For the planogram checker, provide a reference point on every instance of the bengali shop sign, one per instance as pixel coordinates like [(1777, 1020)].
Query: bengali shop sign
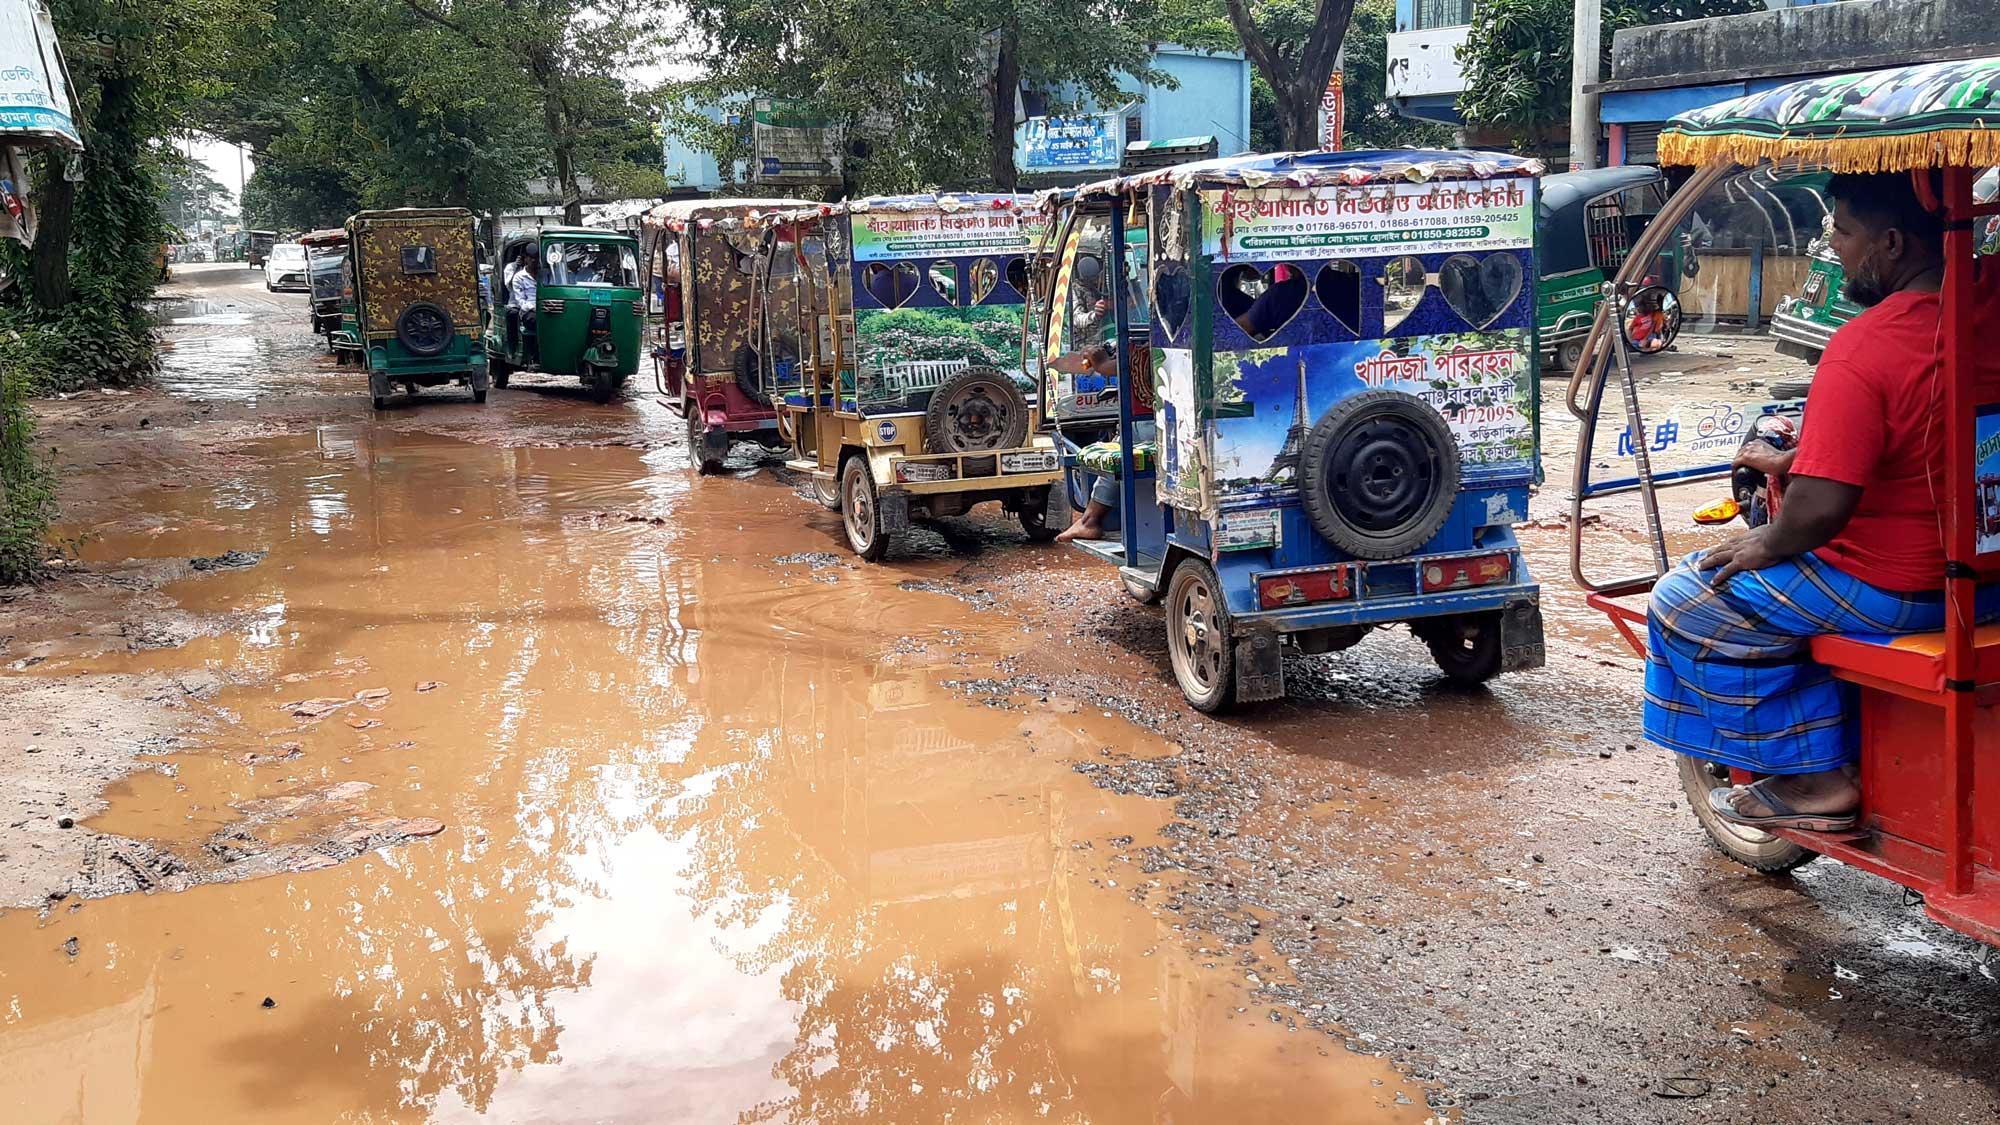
[(1360, 221)]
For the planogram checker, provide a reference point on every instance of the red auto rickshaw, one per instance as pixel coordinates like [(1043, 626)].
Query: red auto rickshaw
[(699, 257), (1929, 704)]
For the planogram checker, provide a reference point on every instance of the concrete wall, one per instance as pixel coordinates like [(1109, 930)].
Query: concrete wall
[(1800, 41)]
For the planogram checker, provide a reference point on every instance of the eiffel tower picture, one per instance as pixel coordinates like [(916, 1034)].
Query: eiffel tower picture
[(1285, 466)]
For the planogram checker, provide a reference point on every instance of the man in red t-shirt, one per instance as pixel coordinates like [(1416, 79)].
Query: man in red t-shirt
[(1856, 547)]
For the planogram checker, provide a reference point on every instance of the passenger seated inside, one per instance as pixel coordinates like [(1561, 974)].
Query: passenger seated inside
[(1855, 548), (1270, 309), (1101, 359)]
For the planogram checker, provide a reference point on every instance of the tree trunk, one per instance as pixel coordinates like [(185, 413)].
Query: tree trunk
[(1298, 115), (54, 212), (1006, 81), (555, 118)]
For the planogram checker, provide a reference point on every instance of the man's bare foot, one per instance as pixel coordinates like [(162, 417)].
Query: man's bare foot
[(1828, 793), (1081, 529)]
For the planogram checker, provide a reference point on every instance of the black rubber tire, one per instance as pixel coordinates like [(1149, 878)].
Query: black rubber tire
[(860, 514), (979, 389), (1194, 603), (602, 386), (1753, 849), (479, 396), (1790, 388), (500, 371), (827, 494), (743, 363), (381, 402), (1035, 521), (1465, 660), (699, 453), (417, 327), (1569, 353), (1434, 472)]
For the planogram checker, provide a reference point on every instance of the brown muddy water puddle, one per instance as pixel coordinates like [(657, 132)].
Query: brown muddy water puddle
[(719, 845)]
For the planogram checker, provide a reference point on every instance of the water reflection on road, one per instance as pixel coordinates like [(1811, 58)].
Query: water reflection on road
[(719, 846)]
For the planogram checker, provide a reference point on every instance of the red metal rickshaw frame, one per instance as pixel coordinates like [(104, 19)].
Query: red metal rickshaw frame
[(1929, 704)]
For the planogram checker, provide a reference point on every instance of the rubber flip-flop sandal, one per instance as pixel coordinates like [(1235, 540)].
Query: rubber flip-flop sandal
[(1785, 816)]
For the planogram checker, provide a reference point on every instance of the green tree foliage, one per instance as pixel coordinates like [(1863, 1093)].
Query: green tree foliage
[(353, 104), (1517, 58), (912, 86)]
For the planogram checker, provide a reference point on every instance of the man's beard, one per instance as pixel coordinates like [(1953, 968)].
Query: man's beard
[(1866, 290)]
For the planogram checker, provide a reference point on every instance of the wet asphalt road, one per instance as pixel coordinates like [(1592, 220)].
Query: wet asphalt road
[(730, 814)]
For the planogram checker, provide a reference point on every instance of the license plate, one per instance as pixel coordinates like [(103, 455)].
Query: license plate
[(600, 296), (1039, 461)]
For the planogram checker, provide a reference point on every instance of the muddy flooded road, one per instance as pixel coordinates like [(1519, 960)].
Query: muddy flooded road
[(464, 762), (711, 841)]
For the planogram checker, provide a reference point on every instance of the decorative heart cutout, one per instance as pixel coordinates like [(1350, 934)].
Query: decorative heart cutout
[(944, 279), (1262, 301), (1403, 285), (890, 285), (1017, 276), (1173, 296), (1338, 288), (1480, 289), (985, 276)]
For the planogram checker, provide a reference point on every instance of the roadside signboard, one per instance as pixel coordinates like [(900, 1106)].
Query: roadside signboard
[(1073, 144), (1333, 112), (34, 94), (1276, 223), (793, 144)]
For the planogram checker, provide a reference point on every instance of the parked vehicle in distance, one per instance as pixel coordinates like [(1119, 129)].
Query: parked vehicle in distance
[(1584, 226), (285, 268), (700, 255), (587, 312), (416, 284), (258, 247), (326, 265)]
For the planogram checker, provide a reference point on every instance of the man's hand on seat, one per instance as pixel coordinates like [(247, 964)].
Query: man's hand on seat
[(1815, 510)]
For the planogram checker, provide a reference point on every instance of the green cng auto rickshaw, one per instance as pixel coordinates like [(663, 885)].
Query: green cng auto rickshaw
[(417, 300), (586, 312), (1584, 226)]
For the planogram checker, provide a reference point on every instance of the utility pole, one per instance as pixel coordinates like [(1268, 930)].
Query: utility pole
[(1584, 50)]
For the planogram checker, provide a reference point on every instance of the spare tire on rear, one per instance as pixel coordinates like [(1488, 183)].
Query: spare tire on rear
[(975, 410), (748, 380), (1379, 474), (425, 329)]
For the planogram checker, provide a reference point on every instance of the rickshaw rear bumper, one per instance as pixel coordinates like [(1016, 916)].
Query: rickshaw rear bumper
[(1518, 605)]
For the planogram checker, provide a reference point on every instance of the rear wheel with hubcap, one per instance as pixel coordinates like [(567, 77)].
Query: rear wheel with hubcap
[(1569, 353), (827, 492), (1199, 644), (859, 511), (1748, 846), (1379, 474)]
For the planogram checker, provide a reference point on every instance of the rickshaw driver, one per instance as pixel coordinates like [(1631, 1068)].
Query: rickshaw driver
[(1856, 547)]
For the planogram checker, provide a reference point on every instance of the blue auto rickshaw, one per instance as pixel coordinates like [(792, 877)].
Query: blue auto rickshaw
[(1326, 370)]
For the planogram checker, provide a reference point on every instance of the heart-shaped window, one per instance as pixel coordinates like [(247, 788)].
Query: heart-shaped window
[(1262, 301), (985, 275), (1480, 289), (1403, 285), (890, 284), (944, 279), (1173, 294), (1338, 288), (1017, 275)]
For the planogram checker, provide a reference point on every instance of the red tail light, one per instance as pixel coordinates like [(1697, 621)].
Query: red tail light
[(1304, 587), (1458, 574)]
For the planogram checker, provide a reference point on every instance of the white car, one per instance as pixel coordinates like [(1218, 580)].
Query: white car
[(286, 267)]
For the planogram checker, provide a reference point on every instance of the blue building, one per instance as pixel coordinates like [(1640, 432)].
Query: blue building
[(1211, 97), (693, 171)]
